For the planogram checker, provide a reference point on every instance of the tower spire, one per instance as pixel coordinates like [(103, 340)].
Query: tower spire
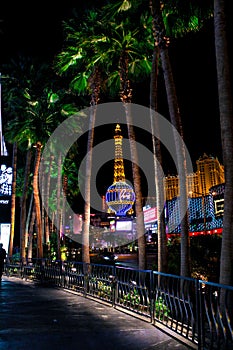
[(120, 195), (119, 171)]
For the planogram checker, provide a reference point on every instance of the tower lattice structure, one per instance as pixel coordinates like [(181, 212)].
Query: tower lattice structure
[(119, 171), (120, 196)]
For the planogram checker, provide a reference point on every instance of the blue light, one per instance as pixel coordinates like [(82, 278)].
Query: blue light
[(120, 197)]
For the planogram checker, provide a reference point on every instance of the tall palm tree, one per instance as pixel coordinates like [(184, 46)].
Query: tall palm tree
[(35, 112), (157, 152), (163, 14), (126, 57), (85, 78), (46, 113), (112, 46), (37, 117), (14, 98), (226, 123), (175, 18), (163, 43), (126, 98)]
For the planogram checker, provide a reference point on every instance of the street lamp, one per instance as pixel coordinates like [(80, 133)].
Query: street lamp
[(202, 205)]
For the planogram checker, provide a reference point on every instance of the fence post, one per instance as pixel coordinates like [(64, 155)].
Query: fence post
[(86, 272), (63, 274), (199, 315), (114, 286), (151, 297)]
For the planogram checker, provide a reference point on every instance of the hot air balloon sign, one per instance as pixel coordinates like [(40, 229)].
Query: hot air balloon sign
[(120, 198)]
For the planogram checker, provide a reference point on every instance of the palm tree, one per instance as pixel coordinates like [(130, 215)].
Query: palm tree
[(147, 36), (85, 74), (37, 117), (163, 16), (156, 144), (35, 112), (162, 43), (121, 52), (226, 123), (14, 75), (126, 98), (46, 113)]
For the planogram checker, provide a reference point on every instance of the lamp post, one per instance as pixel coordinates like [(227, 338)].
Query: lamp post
[(202, 205)]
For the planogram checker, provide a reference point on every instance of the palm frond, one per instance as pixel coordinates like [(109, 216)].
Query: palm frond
[(80, 83)]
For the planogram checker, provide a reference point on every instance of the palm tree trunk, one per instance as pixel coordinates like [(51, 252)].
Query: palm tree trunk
[(42, 196), (30, 231), (37, 201), (159, 185), (23, 237), (12, 232), (163, 43), (58, 209), (137, 188), (27, 235), (181, 161), (126, 96), (94, 83), (63, 222), (47, 238), (87, 192), (226, 123)]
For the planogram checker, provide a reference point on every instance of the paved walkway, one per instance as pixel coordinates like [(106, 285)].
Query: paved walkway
[(33, 317)]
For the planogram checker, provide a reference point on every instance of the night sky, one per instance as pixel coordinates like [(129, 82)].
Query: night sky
[(32, 27), (35, 29)]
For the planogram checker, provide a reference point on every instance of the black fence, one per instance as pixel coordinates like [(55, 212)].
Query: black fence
[(200, 312)]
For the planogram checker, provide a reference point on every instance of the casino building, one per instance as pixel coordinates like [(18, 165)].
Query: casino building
[(205, 202)]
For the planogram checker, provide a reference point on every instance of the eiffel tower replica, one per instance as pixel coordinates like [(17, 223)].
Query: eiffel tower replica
[(119, 171), (120, 196)]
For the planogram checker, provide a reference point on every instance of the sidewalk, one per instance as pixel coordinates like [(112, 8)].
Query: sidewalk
[(33, 317)]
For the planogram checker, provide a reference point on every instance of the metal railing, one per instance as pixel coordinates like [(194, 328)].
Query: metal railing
[(200, 312)]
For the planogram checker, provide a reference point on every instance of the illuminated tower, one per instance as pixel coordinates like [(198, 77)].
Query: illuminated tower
[(119, 172), (120, 195)]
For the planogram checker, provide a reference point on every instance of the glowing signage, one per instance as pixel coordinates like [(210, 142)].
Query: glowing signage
[(5, 230), (120, 197), (6, 176), (124, 225), (219, 206), (6, 179), (150, 215)]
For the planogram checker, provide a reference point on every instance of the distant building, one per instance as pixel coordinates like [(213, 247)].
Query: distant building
[(206, 198), (209, 173)]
